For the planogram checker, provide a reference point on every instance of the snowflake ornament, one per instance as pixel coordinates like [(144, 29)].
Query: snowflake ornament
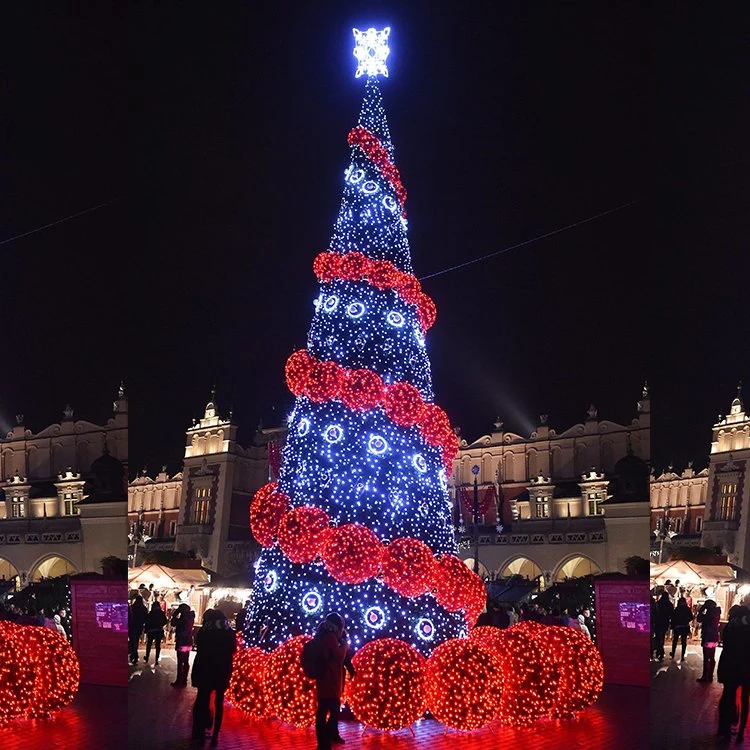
[(371, 51)]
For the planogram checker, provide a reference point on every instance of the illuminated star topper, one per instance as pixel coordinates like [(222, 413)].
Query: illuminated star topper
[(371, 51)]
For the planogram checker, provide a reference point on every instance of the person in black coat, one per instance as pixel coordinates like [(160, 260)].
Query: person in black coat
[(212, 669), (664, 611), (136, 622), (182, 622), (734, 672), (681, 619), (155, 622), (709, 617)]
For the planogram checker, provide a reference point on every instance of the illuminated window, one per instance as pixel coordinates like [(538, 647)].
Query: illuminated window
[(594, 499), (698, 525), (726, 501), (542, 507), (678, 525), (200, 506), (172, 528), (70, 504), (17, 508)]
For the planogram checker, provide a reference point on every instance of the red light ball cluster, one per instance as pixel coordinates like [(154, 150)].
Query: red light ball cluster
[(377, 154), (382, 274), (364, 389), (290, 693), (301, 533), (39, 672), (387, 690), (351, 553), (463, 684), (266, 511), (408, 566), (246, 686)]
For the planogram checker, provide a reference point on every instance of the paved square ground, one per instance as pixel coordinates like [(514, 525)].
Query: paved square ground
[(160, 718), (95, 719), (684, 713)]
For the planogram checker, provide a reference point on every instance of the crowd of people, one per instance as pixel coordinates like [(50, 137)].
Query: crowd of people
[(503, 615), (54, 618)]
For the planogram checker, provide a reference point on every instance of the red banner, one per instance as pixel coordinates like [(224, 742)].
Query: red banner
[(274, 457), (486, 500)]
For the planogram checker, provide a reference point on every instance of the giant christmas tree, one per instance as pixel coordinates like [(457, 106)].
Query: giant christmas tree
[(359, 520)]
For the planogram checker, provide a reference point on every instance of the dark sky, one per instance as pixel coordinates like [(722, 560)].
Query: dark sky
[(222, 130)]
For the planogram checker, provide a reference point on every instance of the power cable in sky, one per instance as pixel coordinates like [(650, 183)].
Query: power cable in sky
[(59, 221), (533, 239)]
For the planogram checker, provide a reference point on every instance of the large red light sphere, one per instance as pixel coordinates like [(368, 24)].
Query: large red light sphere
[(463, 684), (409, 288), (362, 390), (298, 370), (387, 690), (266, 510), (408, 566), (301, 533), (246, 686), (353, 266), (435, 427), (531, 679), (579, 666), (16, 675), (403, 404), (383, 274), (474, 595), (290, 694), (326, 265), (450, 580), (326, 381), (352, 553)]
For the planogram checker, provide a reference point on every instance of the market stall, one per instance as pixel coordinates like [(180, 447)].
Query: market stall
[(176, 585)]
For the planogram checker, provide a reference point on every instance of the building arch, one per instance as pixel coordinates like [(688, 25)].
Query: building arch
[(483, 572), (8, 572), (575, 566), (520, 565), (51, 566)]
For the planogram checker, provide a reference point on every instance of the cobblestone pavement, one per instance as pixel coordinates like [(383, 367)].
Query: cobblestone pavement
[(95, 719), (684, 713), (160, 716)]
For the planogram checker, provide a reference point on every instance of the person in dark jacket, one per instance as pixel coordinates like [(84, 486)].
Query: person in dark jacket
[(136, 623), (329, 686), (664, 611), (155, 622), (709, 616), (182, 622), (212, 669), (680, 621), (734, 672)]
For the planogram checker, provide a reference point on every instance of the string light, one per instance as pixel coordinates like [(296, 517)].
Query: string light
[(290, 693), (387, 690), (266, 511), (246, 686)]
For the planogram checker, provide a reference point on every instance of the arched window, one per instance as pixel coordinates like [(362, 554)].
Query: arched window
[(577, 567)]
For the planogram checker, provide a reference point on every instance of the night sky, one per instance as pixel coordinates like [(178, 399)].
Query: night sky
[(221, 131)]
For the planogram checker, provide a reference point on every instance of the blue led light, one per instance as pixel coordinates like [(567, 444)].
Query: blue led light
[(377, 444), (425, 629), (396, 319), (370, 187), (375, 618), (312, 602), (390, 203), (333, 433), (355, 310), (330, 303), (419, 463), (303, 427)]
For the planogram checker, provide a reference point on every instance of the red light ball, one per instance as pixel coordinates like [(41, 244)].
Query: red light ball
[(362, 390), (387, 690), (436, 426), (326, 381), (266, 510), (301, 533), (451, 576), (351, 553), (326, 265), (403, 404), (290, 694), (408, 566), (463, 684), (298, 370), (246, 686), (353, 266)]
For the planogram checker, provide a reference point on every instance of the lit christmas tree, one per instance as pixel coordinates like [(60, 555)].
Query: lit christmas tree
[(359, 521)]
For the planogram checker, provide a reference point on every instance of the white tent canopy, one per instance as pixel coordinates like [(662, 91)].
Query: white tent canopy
[(166, 578), (691, 573)]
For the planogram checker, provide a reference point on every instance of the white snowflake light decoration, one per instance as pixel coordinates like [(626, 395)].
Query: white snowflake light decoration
[(371, 51)]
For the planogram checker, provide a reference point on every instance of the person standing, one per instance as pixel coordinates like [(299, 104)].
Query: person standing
[(329, 686), (59, 627), (136, 623), (182, 621), (212, 669), (155, 622), (734, 672), (680, 621), (664, 611), (709, 616)]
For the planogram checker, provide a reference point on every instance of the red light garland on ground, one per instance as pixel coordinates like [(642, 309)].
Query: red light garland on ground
[(463, 684), (39, 672), (387, 690), (364, 389), (246, 685)]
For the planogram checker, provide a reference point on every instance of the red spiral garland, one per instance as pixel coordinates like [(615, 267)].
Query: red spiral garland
[(378, 155), (382, 274)]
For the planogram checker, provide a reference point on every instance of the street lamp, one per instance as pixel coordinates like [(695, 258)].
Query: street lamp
[(475, 472)]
